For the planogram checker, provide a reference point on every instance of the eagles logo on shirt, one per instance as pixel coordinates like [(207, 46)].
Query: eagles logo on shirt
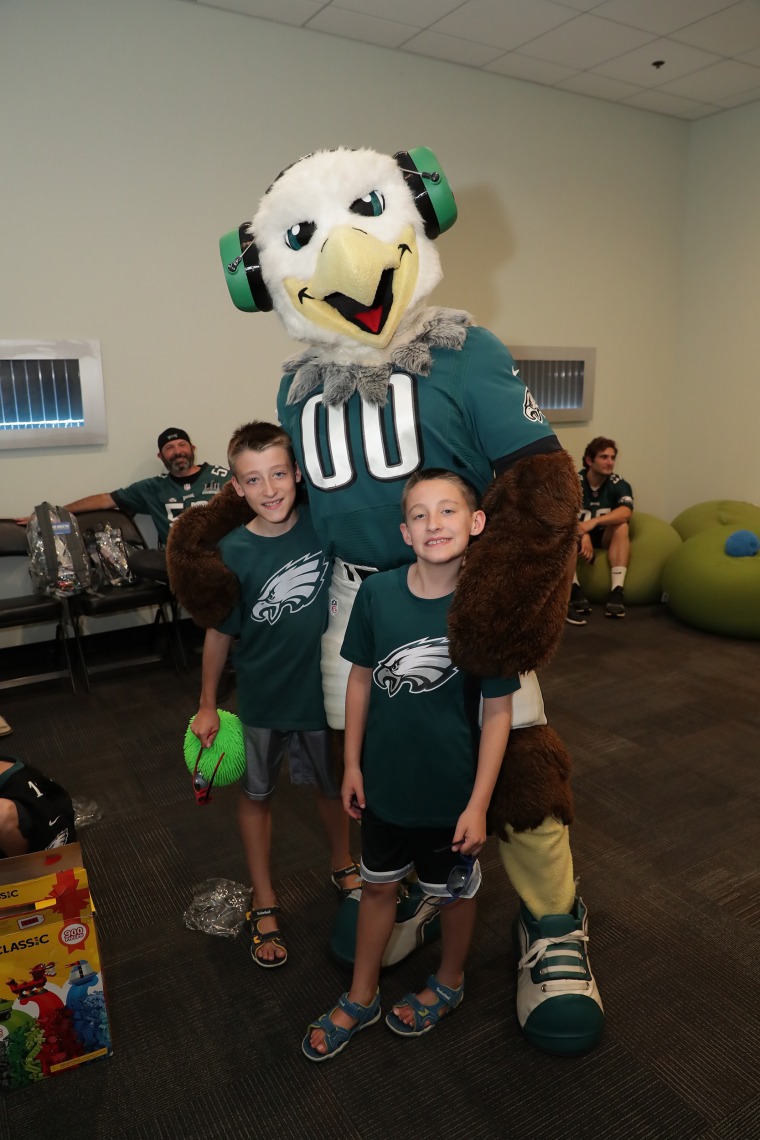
[(292, 588), (60, 840), (422, 665), (531, 410)]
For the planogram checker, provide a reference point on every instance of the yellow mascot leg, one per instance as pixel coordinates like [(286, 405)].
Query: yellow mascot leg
[(558, 1004), (539, 865)]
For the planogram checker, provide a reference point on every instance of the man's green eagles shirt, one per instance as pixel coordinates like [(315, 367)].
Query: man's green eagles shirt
[(421, 743), (472, 410), (614, 492), (163, 497)]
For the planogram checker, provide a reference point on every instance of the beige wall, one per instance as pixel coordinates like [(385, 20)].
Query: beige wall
[(134, 134), (715, 410)]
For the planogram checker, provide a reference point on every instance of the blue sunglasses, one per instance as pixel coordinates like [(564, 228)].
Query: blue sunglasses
[(459, 878)]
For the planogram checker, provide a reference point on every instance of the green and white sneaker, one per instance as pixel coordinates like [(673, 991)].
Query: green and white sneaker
[(558, 1004)]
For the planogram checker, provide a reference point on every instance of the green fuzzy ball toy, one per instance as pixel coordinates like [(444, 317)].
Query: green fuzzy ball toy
[(229, 740)]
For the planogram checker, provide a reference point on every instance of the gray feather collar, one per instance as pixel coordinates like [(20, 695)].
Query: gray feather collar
[(313, 368)]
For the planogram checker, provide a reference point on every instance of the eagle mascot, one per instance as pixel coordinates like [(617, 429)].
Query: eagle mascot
[(342, 248)]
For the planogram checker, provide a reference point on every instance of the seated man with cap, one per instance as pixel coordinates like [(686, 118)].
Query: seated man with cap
[(185, 483)]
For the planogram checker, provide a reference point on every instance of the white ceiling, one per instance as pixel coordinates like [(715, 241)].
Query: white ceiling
[(710, 49)]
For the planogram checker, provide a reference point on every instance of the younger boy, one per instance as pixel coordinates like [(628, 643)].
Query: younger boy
[(281, 568), (416, 773)]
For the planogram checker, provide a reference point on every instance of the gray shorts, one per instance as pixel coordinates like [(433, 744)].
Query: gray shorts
[(309, 758)]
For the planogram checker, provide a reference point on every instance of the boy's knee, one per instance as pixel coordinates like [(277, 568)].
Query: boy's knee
[(257, 800), (378, 891)]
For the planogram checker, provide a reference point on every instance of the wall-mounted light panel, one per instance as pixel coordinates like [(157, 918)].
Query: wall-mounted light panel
[(561, 380), (51, 394)]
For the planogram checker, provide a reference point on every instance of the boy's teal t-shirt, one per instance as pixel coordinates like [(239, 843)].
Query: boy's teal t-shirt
[(280, 622), (421, 743)]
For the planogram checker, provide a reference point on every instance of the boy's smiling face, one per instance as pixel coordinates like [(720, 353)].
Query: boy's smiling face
[(268, 481), (439, 521)]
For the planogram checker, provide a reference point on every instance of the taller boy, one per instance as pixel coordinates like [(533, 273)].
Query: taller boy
[(279, 564)]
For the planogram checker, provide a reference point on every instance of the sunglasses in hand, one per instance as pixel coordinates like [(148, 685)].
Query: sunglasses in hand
[(460, 876)]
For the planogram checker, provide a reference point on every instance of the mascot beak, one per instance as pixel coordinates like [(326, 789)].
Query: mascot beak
[(361, 286)]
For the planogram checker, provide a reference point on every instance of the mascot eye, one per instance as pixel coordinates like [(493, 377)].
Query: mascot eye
[(372, 205), (300, 235)]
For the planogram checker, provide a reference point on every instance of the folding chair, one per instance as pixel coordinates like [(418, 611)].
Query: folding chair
[(32, 609), (107, 600)]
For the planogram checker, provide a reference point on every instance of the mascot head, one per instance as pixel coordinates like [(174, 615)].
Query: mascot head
[(341, 245)]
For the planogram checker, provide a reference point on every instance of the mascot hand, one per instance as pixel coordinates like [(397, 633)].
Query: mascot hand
[(533, 784), (511, 600), (199, 579)]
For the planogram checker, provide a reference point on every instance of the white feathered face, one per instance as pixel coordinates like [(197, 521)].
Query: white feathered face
[(342, 248)]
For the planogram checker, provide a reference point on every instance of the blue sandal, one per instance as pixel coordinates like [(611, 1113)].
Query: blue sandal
[(426, 1017), (336, 1037)]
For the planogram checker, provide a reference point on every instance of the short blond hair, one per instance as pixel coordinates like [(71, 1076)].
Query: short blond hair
[(258, 435), (469, 493)]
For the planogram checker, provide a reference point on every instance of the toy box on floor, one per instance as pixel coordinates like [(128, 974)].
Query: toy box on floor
[(52, 1007)]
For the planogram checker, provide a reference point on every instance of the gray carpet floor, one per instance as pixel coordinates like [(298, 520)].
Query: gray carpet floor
[(662, 722)]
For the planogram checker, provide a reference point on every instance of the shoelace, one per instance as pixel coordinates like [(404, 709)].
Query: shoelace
[(546, 949)]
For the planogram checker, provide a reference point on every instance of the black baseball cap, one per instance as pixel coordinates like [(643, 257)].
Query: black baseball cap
[(168, 434)]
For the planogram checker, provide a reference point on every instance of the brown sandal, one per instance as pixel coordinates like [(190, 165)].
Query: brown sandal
[(258, 938)]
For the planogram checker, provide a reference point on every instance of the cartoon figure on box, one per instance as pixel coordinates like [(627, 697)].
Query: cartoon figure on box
[(342, 248), (39, 1033), (35, 989), (67, 1024), (85, 1000)]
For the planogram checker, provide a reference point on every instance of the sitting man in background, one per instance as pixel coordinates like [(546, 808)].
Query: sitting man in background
[(607, 507), (35, 812), (185, 483)]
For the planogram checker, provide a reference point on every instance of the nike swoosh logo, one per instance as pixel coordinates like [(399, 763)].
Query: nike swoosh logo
[(52, 821), (515, 370)]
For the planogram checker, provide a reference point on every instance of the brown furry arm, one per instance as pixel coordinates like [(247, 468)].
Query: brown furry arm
[(510, 604), (199, 579), (534, 782)]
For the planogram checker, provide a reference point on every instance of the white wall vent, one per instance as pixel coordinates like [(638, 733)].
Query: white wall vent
[(561, 380), (51, 394)]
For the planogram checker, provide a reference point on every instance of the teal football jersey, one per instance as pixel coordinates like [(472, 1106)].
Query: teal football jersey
[(471, 411), (164, 497), (614, 492)]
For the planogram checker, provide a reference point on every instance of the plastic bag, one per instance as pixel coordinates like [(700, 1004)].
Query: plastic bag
[(85, 812), (58, 561), (219, 907), (109, 555)]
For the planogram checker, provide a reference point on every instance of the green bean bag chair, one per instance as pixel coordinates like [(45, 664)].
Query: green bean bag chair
[(653, 541), (717, 512), (711, 590)]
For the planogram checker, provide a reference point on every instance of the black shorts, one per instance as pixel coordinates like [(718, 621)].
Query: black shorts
[(389, 852)]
